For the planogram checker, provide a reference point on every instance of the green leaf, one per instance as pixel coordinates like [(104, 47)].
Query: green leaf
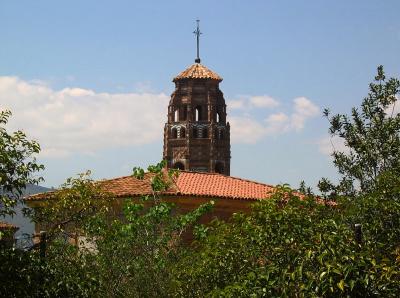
[(341, 285)]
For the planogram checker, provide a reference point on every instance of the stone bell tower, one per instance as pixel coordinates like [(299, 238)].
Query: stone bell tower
[(197, 135)]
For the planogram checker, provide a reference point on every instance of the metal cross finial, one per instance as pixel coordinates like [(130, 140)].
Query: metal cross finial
[(197, 33)]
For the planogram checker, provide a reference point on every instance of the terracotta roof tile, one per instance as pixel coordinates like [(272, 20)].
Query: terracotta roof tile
[(130, 186), (186, 184), (197, 71), (125, 186), (7, 226), (220, 186)]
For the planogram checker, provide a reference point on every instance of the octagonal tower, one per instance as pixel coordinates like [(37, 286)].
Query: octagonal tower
[(197, 135)]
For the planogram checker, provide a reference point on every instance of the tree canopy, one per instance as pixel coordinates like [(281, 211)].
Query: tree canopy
[(18, 165), (372, 135)]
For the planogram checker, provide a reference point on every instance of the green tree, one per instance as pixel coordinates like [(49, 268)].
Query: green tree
[(17, 165), (372, 135), (70, 209), (135, 253), (289, 246), (129, 255)]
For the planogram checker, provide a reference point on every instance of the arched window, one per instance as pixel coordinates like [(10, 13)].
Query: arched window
[(219, 168), (195, 132), (184, 108), (218, 117), (178, 165), (198, 115), (176, 115), (174, 133), (205, 133), (221, 134), (182, 132)]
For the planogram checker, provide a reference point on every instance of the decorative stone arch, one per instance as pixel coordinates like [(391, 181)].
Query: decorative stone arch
[(174, 133), (218, 117), (179, 166), (184, 112), (219, 167), (195, 132), (198, 113), (221, 134), (204, 132), (182, 132), (176, 115)]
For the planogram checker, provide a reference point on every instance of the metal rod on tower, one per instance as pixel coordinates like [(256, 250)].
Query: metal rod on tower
[(197, 33)]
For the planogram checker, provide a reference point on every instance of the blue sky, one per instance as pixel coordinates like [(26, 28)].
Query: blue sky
[(90, 80)]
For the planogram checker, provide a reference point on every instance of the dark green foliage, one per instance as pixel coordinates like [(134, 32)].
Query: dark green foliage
[(17, 165), (372, 135), (19, 274), (24, 274), (135, 254), (118, 256), (290, 247), (72, 207)]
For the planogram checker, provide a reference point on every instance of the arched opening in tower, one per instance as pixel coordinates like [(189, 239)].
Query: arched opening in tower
[(184, 107), (219, 168), (174, 133), (198, 115), (182, 132), (205, 133), (176, 115), (179, 166), (221, 134)]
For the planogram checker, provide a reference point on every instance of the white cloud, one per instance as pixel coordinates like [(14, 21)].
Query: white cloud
[(81, 120), (247, 129), (236, 104), (303, 109), (263, 101), (327, 145), (251, 102), (144, 87), (277, 123)]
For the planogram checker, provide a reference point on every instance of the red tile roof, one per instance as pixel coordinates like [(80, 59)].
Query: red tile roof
[(131, 186), (197, 71), (220, 186), (186, 184), (7, 226)]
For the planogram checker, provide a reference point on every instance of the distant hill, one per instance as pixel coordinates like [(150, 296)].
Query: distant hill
[(24, 223), (33, 189)]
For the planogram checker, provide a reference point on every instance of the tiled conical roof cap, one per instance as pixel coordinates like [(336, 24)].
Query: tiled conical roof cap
[(197, 71)]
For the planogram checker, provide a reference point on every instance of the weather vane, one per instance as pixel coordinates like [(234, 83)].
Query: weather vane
[(197, 33)]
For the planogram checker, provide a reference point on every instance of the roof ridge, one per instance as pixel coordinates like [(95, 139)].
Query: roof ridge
[(115, 178), (120, 178)]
